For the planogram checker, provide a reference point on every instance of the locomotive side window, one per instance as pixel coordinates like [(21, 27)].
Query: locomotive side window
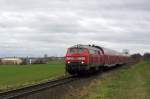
[(93, 51)]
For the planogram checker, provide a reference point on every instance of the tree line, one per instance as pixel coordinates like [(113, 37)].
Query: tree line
[(138, 56)]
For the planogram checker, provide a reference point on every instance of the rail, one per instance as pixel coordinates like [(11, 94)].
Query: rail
[(34, 88)]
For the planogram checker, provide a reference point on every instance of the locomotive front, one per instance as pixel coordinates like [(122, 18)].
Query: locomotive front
[(76, 59)]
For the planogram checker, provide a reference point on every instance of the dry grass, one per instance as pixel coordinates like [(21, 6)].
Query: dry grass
[(127, 83)]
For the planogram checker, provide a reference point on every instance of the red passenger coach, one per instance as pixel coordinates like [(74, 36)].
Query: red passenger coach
[(84, 58)]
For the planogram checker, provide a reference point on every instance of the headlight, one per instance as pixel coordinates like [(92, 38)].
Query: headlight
[(81, 58)]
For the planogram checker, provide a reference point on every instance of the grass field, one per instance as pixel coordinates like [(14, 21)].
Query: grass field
[(14, 76), (131, 83)]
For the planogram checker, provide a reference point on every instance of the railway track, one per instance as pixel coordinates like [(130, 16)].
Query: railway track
[(35, 88)]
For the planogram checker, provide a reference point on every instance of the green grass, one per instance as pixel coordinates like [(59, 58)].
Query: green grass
[(14, 76), (131, 83)]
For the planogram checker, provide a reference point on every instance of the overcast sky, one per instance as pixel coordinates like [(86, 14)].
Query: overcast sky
[(36, 27)]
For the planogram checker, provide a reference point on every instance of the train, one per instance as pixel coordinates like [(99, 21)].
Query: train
[(85, 58)]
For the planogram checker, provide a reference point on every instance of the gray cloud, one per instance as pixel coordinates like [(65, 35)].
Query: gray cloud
[(36, 27)]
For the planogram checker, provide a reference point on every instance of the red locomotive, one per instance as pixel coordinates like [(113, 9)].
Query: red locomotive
[(85, 58)]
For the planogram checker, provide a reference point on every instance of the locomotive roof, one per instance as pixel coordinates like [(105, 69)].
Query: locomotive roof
[(84, 46), (104, 50)]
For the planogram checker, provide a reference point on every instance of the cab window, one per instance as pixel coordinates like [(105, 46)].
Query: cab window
[(76, 50), (80, 50), (71, 51)]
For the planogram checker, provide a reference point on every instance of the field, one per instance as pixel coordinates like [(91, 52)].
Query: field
[(15, 76), (130, 83)]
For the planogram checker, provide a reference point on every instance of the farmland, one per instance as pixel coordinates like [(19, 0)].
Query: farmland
[(15, 76), (130, 83)]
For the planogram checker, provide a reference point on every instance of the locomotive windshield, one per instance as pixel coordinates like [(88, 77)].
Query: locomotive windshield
[(76, 50)]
